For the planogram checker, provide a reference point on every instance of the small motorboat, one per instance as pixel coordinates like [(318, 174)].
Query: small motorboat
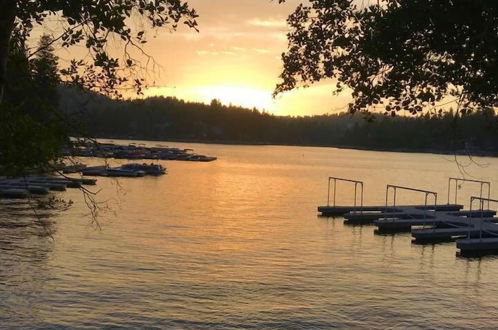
[(75, 168), (149, 169), (14, 193), (201, 158), (122, 172), (32, 189), (95, 171)]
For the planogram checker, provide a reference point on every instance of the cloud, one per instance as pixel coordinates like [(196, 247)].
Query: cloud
[(261, 50), (206, 52), (238, 49), (268, 23), (215, 53)]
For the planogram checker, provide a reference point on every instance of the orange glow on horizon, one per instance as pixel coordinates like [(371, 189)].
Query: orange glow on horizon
[(246, 97), (236, 58), (300, 102)]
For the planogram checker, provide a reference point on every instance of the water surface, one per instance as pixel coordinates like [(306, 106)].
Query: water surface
[(238, 243)]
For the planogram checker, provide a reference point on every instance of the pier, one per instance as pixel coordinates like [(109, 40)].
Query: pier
[(475, 230)]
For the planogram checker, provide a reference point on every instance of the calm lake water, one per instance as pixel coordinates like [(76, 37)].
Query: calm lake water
[(238, 243)]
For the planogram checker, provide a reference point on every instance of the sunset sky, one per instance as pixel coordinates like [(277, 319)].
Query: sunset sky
[(235, 58)]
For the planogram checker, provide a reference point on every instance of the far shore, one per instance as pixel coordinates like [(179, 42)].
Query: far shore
[(458, 152)]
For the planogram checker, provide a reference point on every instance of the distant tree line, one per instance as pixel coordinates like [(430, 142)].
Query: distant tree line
[(167, 118)]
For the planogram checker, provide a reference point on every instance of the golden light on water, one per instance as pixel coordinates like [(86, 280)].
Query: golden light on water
[(237, 242)]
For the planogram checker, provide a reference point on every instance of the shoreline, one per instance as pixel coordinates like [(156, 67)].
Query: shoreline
[(459, 152)]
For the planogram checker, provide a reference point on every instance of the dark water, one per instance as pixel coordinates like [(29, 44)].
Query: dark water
[(237, 243)]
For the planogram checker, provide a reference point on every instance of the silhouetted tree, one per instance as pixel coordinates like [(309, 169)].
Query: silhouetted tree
[(397, 54), (45, 72), (91, 23), (32, 130), (24, 70)]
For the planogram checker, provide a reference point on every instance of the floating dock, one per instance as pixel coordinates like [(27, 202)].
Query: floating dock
[(472, 247), (476, 230), (373, 211), (27, 187)]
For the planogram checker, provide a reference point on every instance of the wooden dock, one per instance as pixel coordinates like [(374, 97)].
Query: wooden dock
[(476, 230)]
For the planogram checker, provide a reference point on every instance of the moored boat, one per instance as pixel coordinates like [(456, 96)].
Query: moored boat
[(75, 168), (95, 171), (14, 193), (149, 169), (201, 158), (122, 172)]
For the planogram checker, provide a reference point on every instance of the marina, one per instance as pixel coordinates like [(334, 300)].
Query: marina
[(475, 230), (162, 161), (132, 151), (40, 185)]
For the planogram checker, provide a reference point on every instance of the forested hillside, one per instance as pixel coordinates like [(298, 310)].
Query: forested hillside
[(165, 118)]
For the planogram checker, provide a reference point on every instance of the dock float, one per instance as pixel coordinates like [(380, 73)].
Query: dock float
[(474, 247), (374, 210), (475, 230), (445, 234), (31, 186), (432, 219)]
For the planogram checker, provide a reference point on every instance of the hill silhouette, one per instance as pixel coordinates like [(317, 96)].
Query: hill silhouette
[(167, 118)]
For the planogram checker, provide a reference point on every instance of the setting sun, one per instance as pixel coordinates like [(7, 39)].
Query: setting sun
[(236, 58), (241, 96), (228, 95)]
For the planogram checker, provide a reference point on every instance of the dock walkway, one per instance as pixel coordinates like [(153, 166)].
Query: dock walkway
[(476, 230)]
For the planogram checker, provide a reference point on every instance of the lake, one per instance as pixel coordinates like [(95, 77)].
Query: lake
[(237, 243)]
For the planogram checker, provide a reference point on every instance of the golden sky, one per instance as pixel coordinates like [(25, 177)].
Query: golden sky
[(235, 58)]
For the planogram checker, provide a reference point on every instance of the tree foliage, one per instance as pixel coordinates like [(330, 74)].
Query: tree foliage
[(397, 54), (32, 130), (92, 23)]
